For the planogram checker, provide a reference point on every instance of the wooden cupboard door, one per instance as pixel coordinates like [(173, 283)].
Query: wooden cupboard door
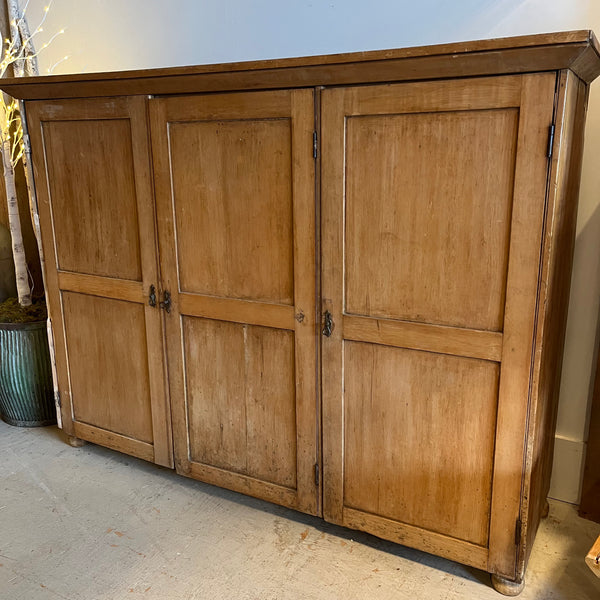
[(234, 180), (432, 215), (96, 208)]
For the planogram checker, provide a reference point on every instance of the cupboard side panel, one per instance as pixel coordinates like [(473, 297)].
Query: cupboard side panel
[(519, 323), (554, 299)]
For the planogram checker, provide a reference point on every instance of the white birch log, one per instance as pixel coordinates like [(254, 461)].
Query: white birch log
[(30, 63), (21, 272), (31, 68), (14, 15), (22, 276)]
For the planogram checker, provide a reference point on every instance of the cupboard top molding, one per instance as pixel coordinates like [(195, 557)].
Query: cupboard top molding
[(578, 51)]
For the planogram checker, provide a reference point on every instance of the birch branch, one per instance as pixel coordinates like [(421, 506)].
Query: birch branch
[(23, 289), (14, 16)]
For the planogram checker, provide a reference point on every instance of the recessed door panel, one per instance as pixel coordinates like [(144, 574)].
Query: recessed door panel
[(232, 185), (94, 208), (407, 414), (235, 180), (420, 240), (241, 398), (107, 365)]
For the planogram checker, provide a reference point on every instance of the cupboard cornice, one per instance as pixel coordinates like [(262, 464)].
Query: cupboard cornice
[(577, 51)]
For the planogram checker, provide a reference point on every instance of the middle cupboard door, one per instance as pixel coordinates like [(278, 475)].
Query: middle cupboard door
[(234, 177)]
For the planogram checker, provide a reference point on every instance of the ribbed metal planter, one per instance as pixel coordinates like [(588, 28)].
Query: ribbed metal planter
[(26, 393)]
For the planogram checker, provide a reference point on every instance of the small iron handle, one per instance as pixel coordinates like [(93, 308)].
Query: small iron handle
[(328, 324), (152, 297), (166, 303)]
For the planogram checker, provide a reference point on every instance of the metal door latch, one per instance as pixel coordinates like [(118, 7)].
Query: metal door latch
[(152, 296), (166, 303), (328, 324)]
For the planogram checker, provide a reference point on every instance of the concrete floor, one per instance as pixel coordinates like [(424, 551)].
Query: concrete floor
[(92, 524)]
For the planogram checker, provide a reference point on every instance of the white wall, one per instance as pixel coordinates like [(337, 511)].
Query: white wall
[(127, 34)]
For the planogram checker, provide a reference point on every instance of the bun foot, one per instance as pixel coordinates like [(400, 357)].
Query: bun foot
[(506, 586), (545, 509), (75, 441)]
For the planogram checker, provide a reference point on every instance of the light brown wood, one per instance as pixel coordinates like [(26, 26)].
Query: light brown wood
[(75, 442), (108, 370), (553, 303), (593, 558), (243, 484), (241, 216), (519, 321), (441, 250), (241, 406), (417, 537), (416, 221), (238, 311), (97, 238), (507, 587), (95, 197), (406, 415), (115, 441), (384, 222), (546, 52), (229, 224), (423, 336), (119, 289)]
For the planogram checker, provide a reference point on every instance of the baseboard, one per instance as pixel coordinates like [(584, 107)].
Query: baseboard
[(567, 470)]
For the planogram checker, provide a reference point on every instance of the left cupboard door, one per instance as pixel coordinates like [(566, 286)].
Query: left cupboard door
[(92, 169)]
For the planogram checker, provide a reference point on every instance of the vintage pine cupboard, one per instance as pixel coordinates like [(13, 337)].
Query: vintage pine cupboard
[(337, 283)]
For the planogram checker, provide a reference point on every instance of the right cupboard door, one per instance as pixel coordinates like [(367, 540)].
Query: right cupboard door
[(433, 199)]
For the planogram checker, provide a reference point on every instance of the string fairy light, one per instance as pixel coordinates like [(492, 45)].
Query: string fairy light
[(18, 51)]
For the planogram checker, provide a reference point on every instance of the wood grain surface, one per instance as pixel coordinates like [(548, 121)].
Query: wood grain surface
[(235, 203), (577, 50)]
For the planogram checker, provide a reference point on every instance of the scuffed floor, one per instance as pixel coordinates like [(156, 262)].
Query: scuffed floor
[(91, 524)]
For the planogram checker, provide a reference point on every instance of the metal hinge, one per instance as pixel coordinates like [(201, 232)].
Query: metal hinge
[(26, 144), (550, 141), (57, 399), (315, 144), (316, 474), (518, 526)]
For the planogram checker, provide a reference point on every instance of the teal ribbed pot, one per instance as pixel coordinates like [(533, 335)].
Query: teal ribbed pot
[(26, 393)]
